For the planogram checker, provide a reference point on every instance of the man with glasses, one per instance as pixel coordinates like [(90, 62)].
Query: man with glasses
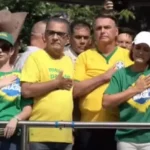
[(47, 77), (37, 41), (80, 39)]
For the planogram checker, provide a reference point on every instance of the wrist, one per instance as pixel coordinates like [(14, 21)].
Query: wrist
[(57, 83), (17, 118), (134, 90), (105, 78)]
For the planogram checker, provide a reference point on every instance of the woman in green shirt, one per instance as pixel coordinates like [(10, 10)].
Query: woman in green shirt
[(129, 90), (13, 107)]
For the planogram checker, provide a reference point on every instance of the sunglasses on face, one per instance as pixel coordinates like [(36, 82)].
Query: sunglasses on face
[(59, 34), (5, 47)]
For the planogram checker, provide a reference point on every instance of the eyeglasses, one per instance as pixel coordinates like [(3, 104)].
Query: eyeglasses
[(5, 47), (59, 34)]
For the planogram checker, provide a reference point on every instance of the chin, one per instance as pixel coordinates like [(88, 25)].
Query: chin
[(104, 41)]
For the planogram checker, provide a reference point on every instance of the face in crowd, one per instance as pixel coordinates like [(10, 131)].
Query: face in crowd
[(141, 53), (57, 34), (105, 31), (124, 40), (6, 52), (80, 39)]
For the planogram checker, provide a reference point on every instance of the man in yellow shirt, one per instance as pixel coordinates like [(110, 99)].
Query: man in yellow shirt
[(47, 77), (93, 71)]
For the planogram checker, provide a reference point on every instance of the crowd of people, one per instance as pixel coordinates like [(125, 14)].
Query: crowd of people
[(72, 71)]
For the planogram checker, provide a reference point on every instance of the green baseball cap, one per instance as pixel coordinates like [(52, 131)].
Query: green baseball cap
[(7, 37)]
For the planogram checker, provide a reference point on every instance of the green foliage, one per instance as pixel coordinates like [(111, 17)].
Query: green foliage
[(38, 10), (127, 15)]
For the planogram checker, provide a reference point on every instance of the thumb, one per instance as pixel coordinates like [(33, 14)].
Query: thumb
[(60, 74), (114, 67)]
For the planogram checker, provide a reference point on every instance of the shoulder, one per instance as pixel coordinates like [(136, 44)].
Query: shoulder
[(66, 59), (87, 53), (38, 55), (123, 51)]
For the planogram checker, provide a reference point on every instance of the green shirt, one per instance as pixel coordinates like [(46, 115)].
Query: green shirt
[(135, 109), (11, 102)]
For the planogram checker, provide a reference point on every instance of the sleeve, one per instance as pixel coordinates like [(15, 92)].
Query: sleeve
[(114, 85), (26, 102), (80, 68), (30, 71)]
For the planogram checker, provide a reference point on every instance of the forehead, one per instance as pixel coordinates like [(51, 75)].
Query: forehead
[(124, 36), (85, 31), (104, 22), (142, 45), (57, 26)]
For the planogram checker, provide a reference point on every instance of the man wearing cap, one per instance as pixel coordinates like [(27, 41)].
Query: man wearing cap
[(129, 90), (13, 107)]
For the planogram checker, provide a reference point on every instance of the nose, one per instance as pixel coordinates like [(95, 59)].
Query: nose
[(55, 36), (82, 40), (124, 45), (102, 30), (1, 50)]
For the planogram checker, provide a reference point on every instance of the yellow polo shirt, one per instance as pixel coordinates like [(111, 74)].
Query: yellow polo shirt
[(90, 64), (55, 106)]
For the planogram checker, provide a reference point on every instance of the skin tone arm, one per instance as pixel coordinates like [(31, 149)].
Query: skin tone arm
[(11, 126), (40, 89), (85, 87), (114, 100)]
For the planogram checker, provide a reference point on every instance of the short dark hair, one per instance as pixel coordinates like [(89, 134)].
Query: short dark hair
[(111, 14), (60, 20), (127, 31), (79, 23)]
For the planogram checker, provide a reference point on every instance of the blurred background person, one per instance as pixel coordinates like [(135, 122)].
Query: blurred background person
[(37, 41), (80, 39), (125, 38)]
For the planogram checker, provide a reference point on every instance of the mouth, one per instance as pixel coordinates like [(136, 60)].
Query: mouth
[(55, 43), (81, 48), (139, 59)]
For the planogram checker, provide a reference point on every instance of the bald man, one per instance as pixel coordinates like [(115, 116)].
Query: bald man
[(37, 41)]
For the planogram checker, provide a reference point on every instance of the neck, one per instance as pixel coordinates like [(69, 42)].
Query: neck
[(139, 67), (55, 55), (106, 49)]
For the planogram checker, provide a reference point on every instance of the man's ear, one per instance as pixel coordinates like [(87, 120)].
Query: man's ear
[(117, 31), (68, 40), (43, 37)]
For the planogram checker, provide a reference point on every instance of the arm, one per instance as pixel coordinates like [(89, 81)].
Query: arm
[(33, 87), (114, 100), (85, 87), (26, 107), (25, 113), (38, 89), (30, 78), (114, 95)]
